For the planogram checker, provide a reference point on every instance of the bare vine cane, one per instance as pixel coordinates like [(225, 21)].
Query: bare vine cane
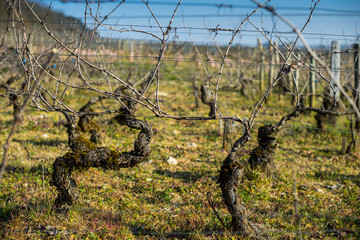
[(313, 54), (234, 34), (139, 95)]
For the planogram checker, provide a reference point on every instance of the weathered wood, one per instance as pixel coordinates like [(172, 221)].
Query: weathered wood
[(289, 77), (335, 69), (227, 127), (271, 64), (230, 177), (296, 83), (312, 84), (85, 155), (276, 56), (132, 51), (261, 66), (357, 82), (119, 48), (206, 98)]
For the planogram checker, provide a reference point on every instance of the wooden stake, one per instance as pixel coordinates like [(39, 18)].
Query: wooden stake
[(312, 83), (335, 69), (261, 69), (271, 64), (356, 82)]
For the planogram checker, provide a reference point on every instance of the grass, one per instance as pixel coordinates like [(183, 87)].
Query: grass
[(155, 199)]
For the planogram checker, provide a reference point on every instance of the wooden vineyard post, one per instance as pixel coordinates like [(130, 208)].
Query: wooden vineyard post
[(335, 69), (271, 64), (261, 70), (225, 133), (356, 82), (275, 66), (295, 85), (119, 47), (312, 83), (132, 51), (289, 78), (276, 56), (331, 95), (125, 47), (297, 79), (226, 127)]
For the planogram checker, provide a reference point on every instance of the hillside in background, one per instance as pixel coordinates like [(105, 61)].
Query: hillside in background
[(57, 22)]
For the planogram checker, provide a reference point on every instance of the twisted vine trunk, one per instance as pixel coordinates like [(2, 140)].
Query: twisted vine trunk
[(232, 171), (85, 156), (231, 174)]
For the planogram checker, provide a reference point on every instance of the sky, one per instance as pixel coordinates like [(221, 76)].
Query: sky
[(332, 19)]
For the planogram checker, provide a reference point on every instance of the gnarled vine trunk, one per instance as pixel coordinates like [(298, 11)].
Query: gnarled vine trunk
[(231, 174), (85, 156), (232, 171)]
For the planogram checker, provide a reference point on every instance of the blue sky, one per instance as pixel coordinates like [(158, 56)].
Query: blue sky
[(332, 20)]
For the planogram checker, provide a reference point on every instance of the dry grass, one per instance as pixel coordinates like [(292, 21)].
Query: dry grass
[(157, 200)]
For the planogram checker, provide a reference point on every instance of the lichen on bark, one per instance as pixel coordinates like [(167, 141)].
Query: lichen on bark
[(87, 123), (262, 155), (85, 155), (77, 142)]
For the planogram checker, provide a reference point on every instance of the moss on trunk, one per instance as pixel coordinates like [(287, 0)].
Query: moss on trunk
[(262, 156), (86, 155)]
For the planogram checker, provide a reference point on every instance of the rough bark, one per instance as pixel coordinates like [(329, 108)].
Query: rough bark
[(232, 171), (262, 156), (83, 158), (231, 174), (87, 123), (329, 103), (14, 93), (206, 99), (77, 142), (15, 101)]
